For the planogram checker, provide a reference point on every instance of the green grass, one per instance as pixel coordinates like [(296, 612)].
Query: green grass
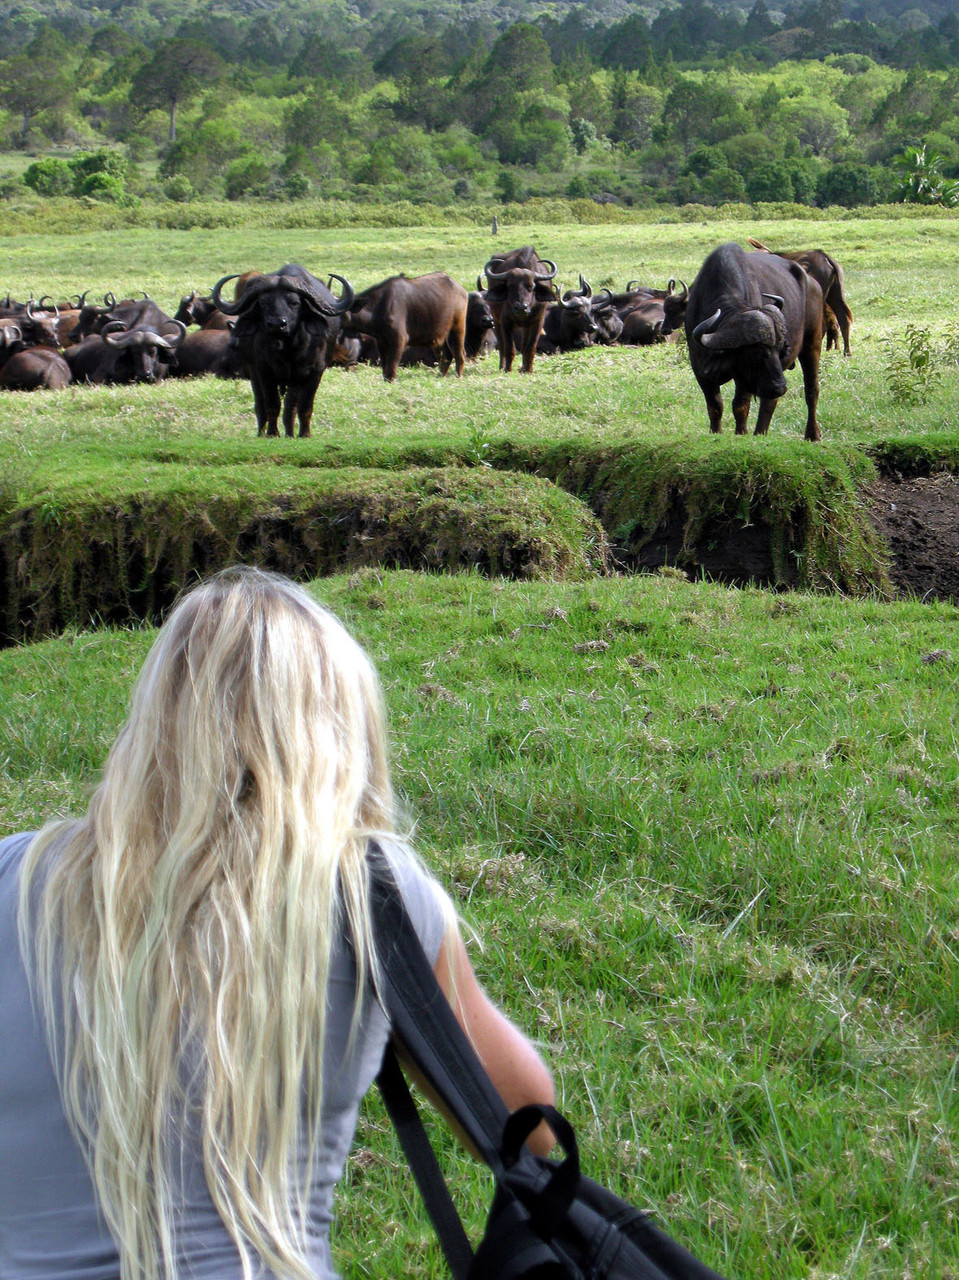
[(707, 837)]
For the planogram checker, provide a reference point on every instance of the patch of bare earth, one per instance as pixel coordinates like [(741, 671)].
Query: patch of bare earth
[(919, 520)]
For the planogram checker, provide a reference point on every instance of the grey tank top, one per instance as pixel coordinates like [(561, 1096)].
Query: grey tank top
[(50, 1226)]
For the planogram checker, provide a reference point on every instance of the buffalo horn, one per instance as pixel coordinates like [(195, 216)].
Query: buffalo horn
[(709, 325), (11, 334), (631, 285), (684, 291), (109, 300), (775, 299), (230, 308), (603, 301), (670, 284), (346, 300), (494, 275), (547, 275)]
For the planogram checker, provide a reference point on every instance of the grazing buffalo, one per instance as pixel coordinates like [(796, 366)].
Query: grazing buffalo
[(749, 316), (827, 273), (422, 311), (519, 289), (286, 324)]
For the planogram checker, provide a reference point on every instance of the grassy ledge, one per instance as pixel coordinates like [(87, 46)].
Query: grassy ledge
[(122, 554)]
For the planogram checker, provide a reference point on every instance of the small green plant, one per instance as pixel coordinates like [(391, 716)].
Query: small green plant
[(912, 372), (477, 447)]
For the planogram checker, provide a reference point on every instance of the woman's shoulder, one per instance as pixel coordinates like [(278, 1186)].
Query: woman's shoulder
[(426, 902), (12, 849)]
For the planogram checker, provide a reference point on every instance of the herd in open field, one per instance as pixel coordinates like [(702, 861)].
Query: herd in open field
[(748, 316)]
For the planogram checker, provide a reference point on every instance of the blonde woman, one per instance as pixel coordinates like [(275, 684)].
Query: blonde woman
[(187, 1034)]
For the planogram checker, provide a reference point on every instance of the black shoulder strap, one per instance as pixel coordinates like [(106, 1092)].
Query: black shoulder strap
[(426, 1028)]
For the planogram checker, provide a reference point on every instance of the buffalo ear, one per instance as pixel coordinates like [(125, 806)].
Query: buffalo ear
[(750, 329)]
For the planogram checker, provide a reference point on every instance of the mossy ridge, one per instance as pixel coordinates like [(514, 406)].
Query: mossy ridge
[(72, 558), (913, 456), (679, 499)]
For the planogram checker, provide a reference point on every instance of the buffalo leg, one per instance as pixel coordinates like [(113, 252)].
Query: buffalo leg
[(299, 401), (530, 338), (455, 346), (392, 346), (741, 403), (714, 407), (506, 348), (767, 407), (266, 403), (809, 363)]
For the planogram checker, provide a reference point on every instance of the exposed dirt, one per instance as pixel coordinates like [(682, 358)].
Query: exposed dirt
[(919, 519)]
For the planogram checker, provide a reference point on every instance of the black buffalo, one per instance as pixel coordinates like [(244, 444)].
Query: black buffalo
[(519, 289), (749, 316), (286, 324), (120, 355), (420, 311)]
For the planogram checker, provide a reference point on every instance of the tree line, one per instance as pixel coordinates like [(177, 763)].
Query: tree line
[(698, 104)]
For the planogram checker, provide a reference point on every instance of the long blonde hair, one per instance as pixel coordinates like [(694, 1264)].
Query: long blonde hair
[(191, 913)]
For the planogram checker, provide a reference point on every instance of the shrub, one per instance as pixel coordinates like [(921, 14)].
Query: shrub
[(248, 176), (50, 177), (179, 189), (847, 183), (911, 369), (102, 186), (297, 186)]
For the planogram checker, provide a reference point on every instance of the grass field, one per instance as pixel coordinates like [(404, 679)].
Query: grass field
[(707, 836)]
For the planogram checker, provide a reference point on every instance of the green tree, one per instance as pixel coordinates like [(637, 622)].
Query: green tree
[(37, 80), (921, 180), (176, 73), (848, 184)]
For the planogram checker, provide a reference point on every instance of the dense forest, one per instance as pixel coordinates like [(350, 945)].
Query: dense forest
[(816, 102)]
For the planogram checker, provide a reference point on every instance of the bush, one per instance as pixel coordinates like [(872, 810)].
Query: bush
[(10, 186), (849, 184), (297, 186), (102, 186), (179, 189), (50, 177), (248, 176)]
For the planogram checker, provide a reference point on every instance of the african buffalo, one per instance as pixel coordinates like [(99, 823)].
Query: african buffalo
[(120, 355), (286, 324), (827, 273), (519, 289), (33, 368), (205, 351), (749, 316), (421, 311)]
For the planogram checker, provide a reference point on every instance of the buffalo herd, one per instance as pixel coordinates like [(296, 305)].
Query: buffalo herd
[(747, 316)]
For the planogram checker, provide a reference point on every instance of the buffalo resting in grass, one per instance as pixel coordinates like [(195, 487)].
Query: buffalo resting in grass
[(749, 316), (286, 325)]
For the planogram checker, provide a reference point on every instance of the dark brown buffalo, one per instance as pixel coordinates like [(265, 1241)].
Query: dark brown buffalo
[(749, 316), (422, 311), (195, 308), (827, 273), (35, 368), (519, 289), (119, 355), (129, 313), (572, 322), (205, 351), (286, 324)]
